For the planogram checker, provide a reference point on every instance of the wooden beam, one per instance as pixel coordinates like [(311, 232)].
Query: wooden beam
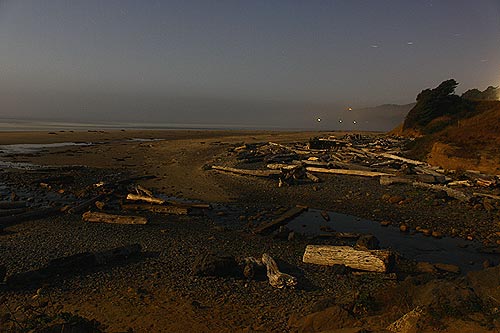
[(329, 255)]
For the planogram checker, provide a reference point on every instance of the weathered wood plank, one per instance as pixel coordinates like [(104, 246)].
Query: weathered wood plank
[(329, 255)]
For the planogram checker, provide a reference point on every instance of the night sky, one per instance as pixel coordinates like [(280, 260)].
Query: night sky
[(256, 63)]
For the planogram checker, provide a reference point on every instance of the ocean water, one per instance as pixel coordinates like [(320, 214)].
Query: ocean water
[(31, 125)]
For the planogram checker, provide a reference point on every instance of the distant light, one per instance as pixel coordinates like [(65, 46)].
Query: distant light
[(354, 122), (374, 46), (319, 120), (340, 120), (409, 43), (350, 109)]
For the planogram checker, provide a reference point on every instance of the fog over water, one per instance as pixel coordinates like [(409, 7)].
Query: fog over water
[(239, 63)]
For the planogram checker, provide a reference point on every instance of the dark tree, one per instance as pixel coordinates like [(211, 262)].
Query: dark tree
[(489, 94), (434, 103)]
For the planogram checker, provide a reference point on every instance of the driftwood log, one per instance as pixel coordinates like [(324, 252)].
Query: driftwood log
[(399, 158), (157, 209), (349, 172), (459, 195), (30, 215), (281, 220), (74, 264), (276, 278), (384, 180), (365, 260), (248, 172), (145, 198), (111, 218)]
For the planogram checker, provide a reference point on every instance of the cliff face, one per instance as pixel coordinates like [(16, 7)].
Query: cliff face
[(466, 139)]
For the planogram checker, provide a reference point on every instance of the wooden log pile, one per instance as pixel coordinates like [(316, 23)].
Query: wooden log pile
[(357, 155)]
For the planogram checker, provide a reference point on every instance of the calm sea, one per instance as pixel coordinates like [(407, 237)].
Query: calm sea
[(29, 125)]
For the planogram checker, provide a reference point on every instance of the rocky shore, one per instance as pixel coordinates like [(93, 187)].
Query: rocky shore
[(158, 290)]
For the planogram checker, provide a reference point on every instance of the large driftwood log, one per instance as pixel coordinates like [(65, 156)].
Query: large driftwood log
[(30, 215), (349, 172), (403, 159), (111, 218), (279, 221), (459, 195), (145, 198), (12, 204), (486, 195), (276, 278), (74, 264), (157, 209), (329, 255), (247, 172)]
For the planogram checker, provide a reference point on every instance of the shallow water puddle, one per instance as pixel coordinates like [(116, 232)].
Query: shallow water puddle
[(416, 246)]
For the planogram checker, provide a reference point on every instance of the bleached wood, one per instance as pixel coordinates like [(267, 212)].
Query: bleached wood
[(138, 197), (459, 195), (329, 255), (276, 278), (403, 159)]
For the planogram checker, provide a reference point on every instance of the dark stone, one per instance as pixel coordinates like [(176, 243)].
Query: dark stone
[(3, 272), (368, 242), (210, 264)]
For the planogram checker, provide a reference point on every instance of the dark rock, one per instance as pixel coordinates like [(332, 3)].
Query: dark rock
[(210, 264), (486, 283), (331, 318), (368, 242), (3, 272)]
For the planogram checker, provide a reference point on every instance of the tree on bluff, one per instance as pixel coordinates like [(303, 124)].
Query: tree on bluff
[(489, 94), (434, 103)]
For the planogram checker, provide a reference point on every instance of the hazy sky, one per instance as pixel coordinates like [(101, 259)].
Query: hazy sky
[(237, 61)]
